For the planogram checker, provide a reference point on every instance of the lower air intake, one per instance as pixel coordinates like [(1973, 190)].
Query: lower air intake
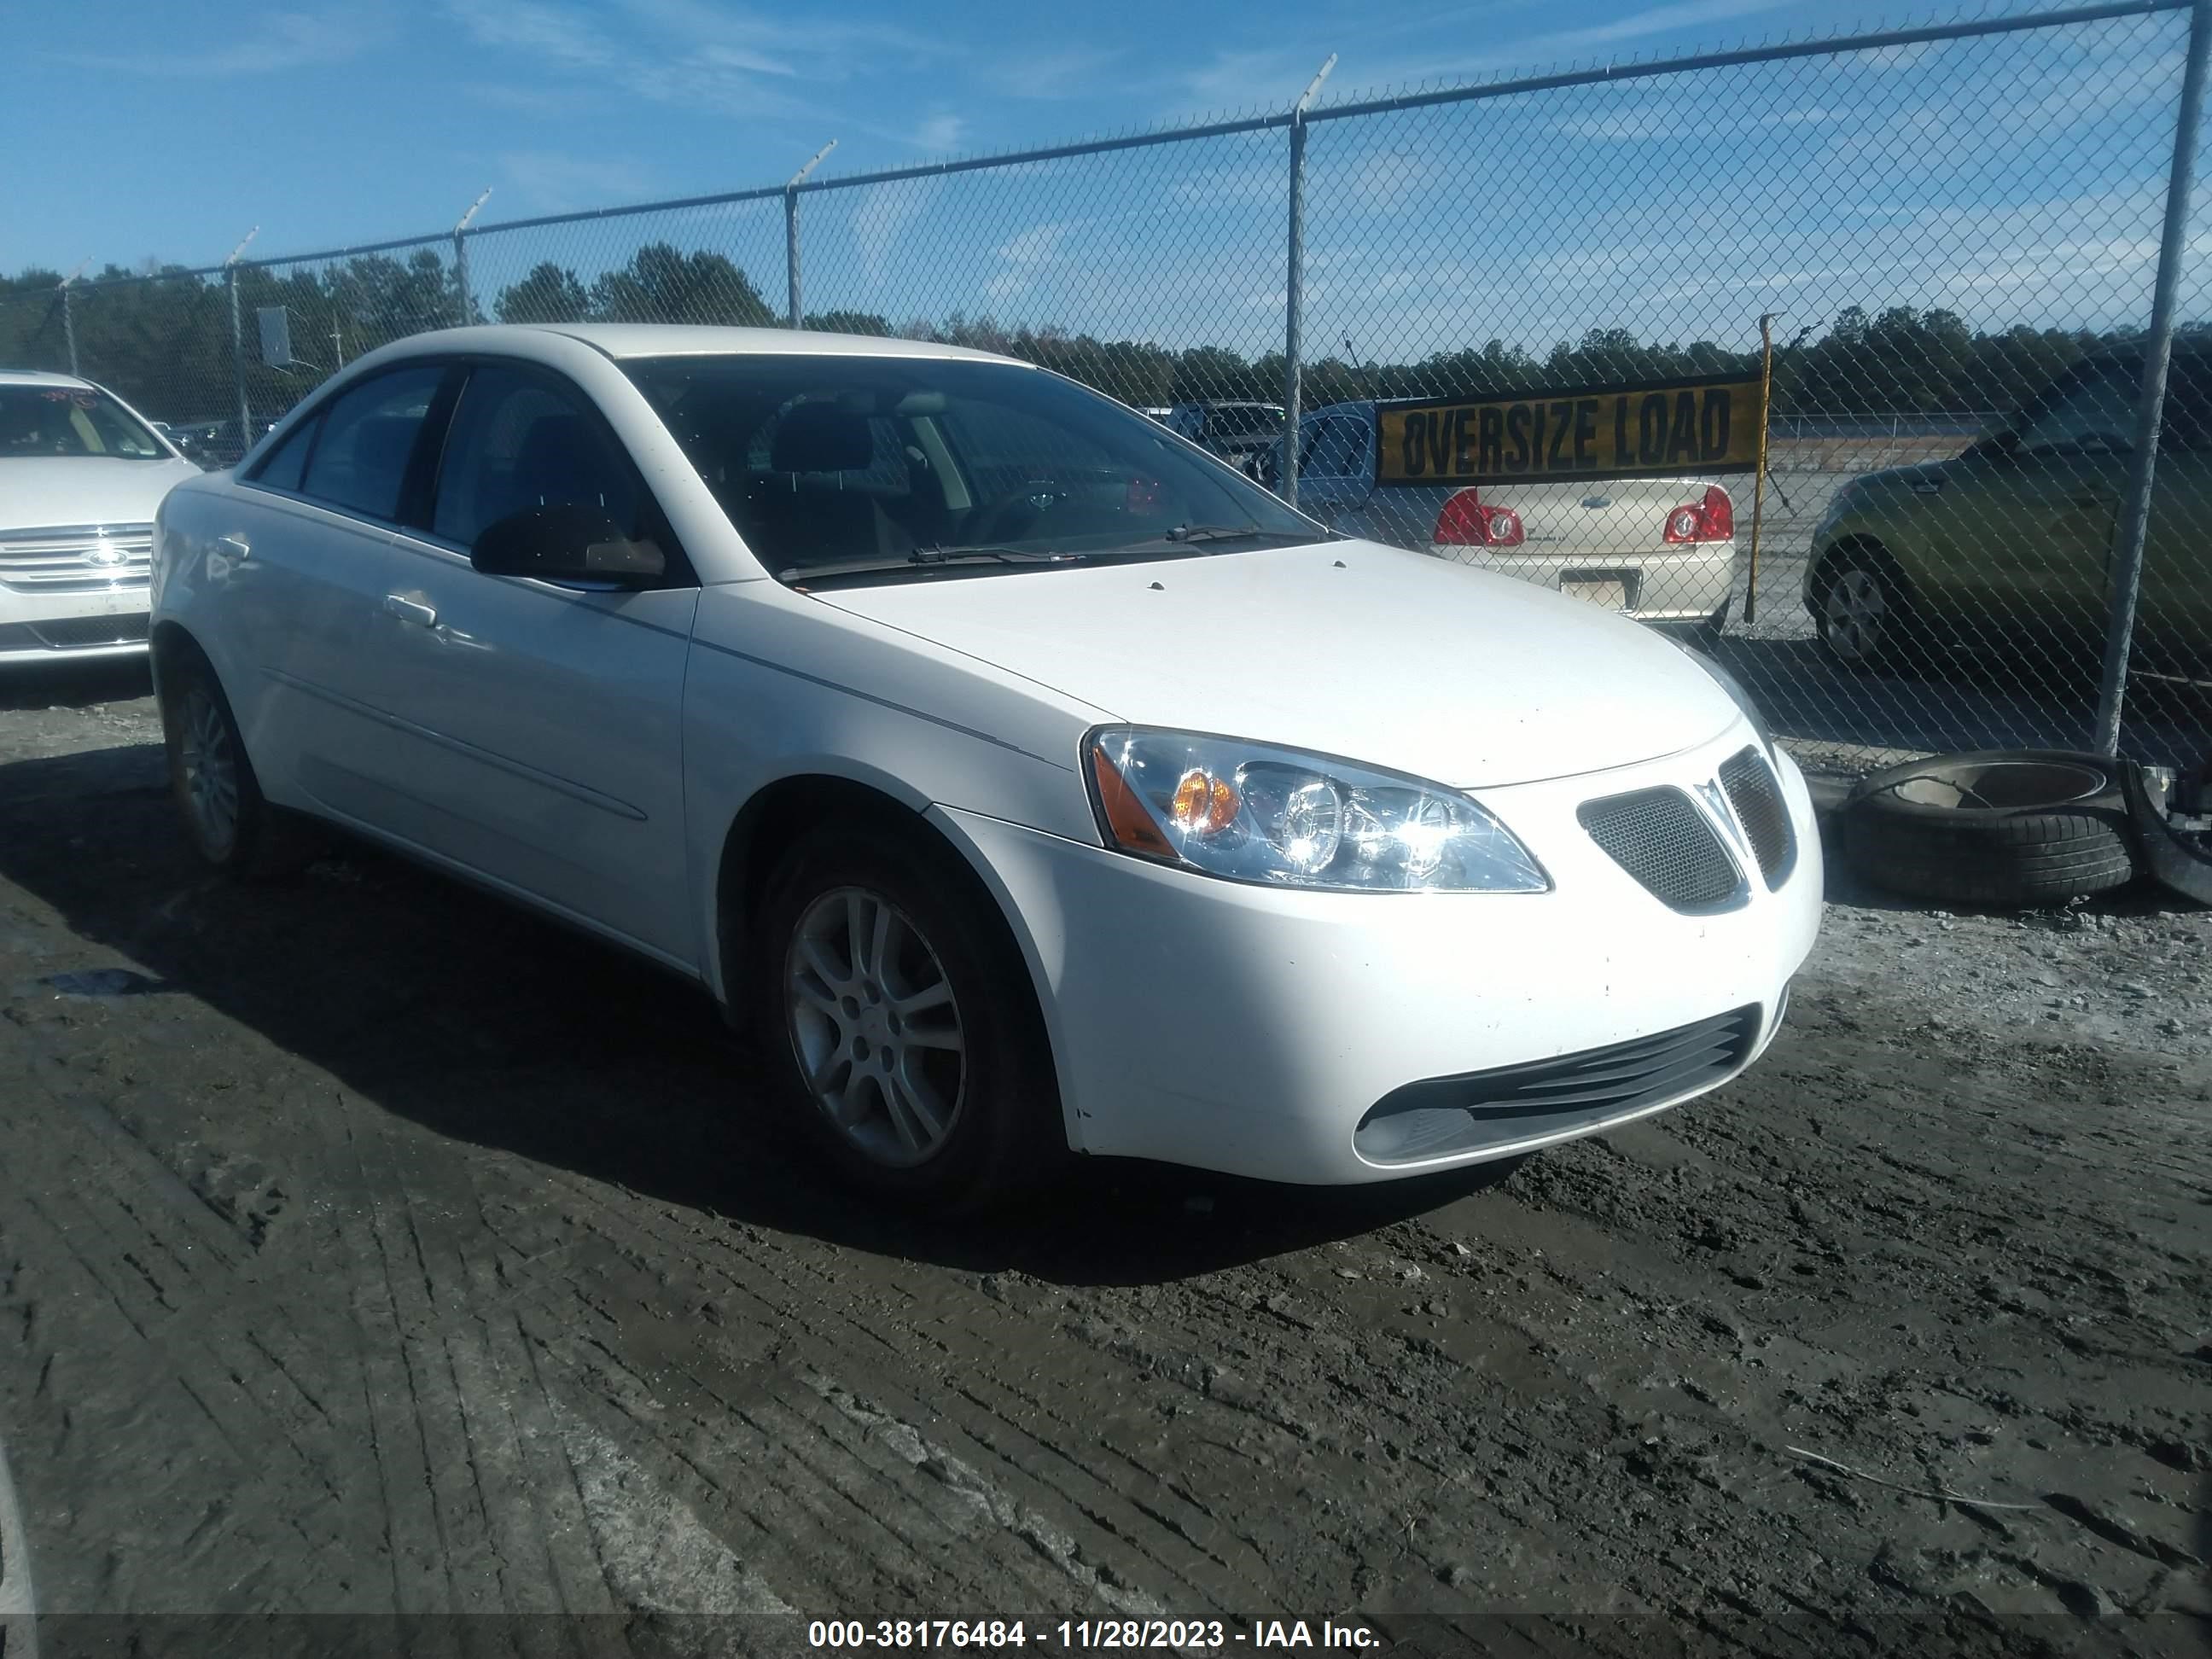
[(1447, 1115)]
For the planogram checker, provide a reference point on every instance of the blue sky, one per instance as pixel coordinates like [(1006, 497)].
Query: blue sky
[(2013, 180)]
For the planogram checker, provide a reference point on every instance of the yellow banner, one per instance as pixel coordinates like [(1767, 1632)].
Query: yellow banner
[(1672, 430)]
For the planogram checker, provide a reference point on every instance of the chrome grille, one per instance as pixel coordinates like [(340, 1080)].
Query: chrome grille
[(1757, 799), (1660, 838), (1441, 1116), (83, 558)]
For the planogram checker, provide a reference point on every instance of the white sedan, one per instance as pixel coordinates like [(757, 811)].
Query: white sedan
[(1029, 781), (80, 474)]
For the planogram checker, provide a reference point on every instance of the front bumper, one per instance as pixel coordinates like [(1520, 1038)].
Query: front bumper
[(1249, 1030), (72, 626)]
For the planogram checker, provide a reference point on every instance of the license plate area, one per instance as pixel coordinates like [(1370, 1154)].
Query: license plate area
[(1612, 590)]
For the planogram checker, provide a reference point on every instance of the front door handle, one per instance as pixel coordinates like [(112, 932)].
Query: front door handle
[(411, 610), (237, 544)]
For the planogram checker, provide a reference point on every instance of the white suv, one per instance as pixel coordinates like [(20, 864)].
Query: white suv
[(80, 474)]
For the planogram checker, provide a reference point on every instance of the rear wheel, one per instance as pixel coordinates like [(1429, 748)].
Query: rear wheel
[(1862, 608), (895, 1011), (229, 820)]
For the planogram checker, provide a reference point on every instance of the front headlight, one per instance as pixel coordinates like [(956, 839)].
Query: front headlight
[(1734, 687), (1247, 812)]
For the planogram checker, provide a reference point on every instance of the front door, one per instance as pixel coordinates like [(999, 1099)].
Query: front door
[(544, 720)]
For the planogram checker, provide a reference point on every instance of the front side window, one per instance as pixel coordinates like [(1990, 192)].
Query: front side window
[(2188, 423), (2096, 412), (519, 440), (868, 465), (360, 462), (80, 420), (1336, 453)]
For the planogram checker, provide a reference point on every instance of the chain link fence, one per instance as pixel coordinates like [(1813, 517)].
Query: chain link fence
[(1939, 245)]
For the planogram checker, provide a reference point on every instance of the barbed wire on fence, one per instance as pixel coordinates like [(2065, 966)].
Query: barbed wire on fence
[(1948, 222)]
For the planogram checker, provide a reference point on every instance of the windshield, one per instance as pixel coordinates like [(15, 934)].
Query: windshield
[(874, 463), (71, 420)]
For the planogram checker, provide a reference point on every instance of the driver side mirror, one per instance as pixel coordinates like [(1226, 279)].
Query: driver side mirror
[(567, 544)]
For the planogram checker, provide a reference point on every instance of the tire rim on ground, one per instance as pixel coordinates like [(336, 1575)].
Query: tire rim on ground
[(211, 768), (875, 1027), (1854, 610)]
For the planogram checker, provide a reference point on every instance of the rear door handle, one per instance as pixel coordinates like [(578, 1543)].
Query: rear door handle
[(411, 610), (237, 544)]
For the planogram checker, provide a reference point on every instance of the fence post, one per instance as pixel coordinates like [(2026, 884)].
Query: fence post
[(69, 317), (238, 346), (792, 313), (2126, 590), (1294, 286), (463, 298)]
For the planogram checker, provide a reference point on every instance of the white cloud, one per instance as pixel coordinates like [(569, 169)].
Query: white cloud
[(939, 132), (1067, 72), (551, 182), (1025, 257), (882, 218), (270, 45)]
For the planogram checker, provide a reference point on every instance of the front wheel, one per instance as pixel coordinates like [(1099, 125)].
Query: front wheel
[(229, 822), (898, 1023), (1862, 612)]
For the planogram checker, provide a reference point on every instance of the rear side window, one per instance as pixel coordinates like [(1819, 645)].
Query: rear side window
[(289, 460), (520, 440), (368, 436)]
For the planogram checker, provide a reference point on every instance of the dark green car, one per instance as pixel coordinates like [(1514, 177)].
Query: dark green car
[(2006, 547)]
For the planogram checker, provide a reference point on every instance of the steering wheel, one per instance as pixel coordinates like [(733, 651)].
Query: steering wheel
[(1009, 515)]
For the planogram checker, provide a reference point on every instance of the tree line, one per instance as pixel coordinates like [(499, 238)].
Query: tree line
[(162, 338)]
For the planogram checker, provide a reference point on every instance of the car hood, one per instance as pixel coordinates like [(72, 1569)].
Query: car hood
[(48, 491), (1349, 648), (1900, 478)]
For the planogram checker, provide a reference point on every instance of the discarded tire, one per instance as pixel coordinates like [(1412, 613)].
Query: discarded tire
[(1997, 827)]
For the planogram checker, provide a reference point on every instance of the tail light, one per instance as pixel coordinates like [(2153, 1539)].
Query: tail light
[(1465, 522), (1712, 519)]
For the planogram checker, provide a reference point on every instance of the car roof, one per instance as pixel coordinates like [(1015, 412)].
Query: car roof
[(41, 377), (622, 340)]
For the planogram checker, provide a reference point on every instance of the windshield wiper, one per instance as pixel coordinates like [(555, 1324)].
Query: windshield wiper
[(1228, 533), (937, 555), (927, 556)]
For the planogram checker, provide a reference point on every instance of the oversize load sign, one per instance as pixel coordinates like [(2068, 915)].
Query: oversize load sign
[(1655, 431)]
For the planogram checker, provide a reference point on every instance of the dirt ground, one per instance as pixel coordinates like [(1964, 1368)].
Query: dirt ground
[(368, 1246)]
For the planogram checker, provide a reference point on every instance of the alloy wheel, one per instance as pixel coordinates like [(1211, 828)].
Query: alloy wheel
[(209, 762), (1857, 612), (875, 1027)]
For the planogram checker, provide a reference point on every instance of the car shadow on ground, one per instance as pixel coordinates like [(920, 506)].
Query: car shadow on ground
[(75, 685), (483, 1024)]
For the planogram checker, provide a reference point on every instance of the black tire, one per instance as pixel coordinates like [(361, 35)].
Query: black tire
[(261, 841), (2050, 825), (1854, 567), (1003, 1134)]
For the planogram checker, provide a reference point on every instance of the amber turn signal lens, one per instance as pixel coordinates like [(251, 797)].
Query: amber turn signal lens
[(1132, 826), (1204, 804)]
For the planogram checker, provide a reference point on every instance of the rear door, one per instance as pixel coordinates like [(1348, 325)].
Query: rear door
[(304, 568), (1333, 480), (543, 718), (2018, 537)]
